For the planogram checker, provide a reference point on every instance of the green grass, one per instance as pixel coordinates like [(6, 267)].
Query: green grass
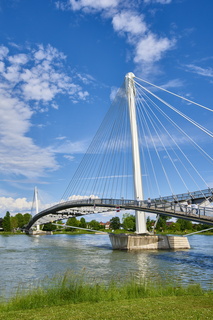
[(160, 308), (70, 297)]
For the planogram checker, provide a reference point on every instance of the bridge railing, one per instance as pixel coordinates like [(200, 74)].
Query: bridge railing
[(157, 206), (202, 194), (161, 204)]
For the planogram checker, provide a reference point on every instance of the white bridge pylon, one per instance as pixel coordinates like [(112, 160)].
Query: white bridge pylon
[(140, 217), (35, 202), (141, 133)]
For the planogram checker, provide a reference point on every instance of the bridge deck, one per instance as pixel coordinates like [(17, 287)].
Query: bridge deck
[(194, 195), (158, 206)]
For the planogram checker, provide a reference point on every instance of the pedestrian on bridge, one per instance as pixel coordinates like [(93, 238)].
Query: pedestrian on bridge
[(189, 207), (194, 208), (148, 203)]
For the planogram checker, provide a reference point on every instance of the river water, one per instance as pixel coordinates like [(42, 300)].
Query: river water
[(27, 260)]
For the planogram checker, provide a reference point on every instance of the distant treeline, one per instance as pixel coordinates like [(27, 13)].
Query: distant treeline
[(13, 223), (17, 222), (127, 223)]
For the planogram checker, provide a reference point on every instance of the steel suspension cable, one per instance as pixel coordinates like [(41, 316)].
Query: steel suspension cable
[(182, 131), (93, 149), (174, 94), (155, 130), (157, 153), (171, 137), (143, 138), (177, 125), (168, 154), (208, 132), (147, 147)]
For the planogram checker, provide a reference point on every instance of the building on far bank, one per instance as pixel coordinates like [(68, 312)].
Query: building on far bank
[(1, 224), (105, 225)]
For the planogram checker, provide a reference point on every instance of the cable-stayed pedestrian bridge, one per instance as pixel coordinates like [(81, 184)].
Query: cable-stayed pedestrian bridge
[(174, 208), (145, 148)]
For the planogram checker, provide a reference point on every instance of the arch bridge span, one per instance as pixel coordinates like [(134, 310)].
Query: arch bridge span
[(157, 206)]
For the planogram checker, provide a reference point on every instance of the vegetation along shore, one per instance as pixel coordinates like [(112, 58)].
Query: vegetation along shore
[(70, 297)]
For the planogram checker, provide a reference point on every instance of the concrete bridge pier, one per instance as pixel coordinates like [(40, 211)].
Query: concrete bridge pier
[(148, 242)]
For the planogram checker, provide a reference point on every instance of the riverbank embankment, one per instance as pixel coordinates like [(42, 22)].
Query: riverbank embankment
[(72, 298)]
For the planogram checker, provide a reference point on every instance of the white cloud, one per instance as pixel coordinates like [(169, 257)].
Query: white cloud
[(1, 66), (20, 205), (18, 153), (93, 4), (19, 59), (54, 106), (114, 91), (14, 205), (3, 52), (40, 75), (175, 83), (12, 73), (163, 141), (30, 82), (85, 78), (68, 157), (129, 22), (206, 72), (61, 138), (158, 1), (48, 53), (151, 48), (71, 147), (148, 48)]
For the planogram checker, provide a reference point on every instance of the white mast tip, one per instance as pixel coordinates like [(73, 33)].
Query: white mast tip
[(130, 75)]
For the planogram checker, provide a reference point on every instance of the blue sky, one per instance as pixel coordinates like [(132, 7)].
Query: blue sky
[(61, 61)]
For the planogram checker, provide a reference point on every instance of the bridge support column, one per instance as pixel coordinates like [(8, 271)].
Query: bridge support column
[(36, 205), (147, 242), (140, 217)]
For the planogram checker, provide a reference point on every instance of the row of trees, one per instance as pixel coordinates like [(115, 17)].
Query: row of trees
[(17, 222), (10, 223), (73, 222), (128, 224), (163, 225)]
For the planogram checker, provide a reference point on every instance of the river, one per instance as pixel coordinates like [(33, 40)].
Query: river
[(27, 260)]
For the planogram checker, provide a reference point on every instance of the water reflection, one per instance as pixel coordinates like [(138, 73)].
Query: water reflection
[(28, 259)]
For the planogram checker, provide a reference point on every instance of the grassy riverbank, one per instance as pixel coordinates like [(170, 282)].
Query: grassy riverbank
[(70, 297), (161, 308)]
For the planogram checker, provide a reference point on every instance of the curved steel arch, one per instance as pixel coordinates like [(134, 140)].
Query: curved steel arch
[(160, 207)]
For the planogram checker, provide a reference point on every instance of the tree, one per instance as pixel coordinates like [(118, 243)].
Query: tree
[(72, 222), (20, 220), (149, 223), (161, 225), (95, 225), (129, 222), (27, 217), (6, 222), (83, 223), (115, 223), (184, 224), (48, 227), (174, 227), (59, 225), (13, 223)]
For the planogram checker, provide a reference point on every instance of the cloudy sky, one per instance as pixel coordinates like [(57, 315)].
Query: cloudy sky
[(61, 61)]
